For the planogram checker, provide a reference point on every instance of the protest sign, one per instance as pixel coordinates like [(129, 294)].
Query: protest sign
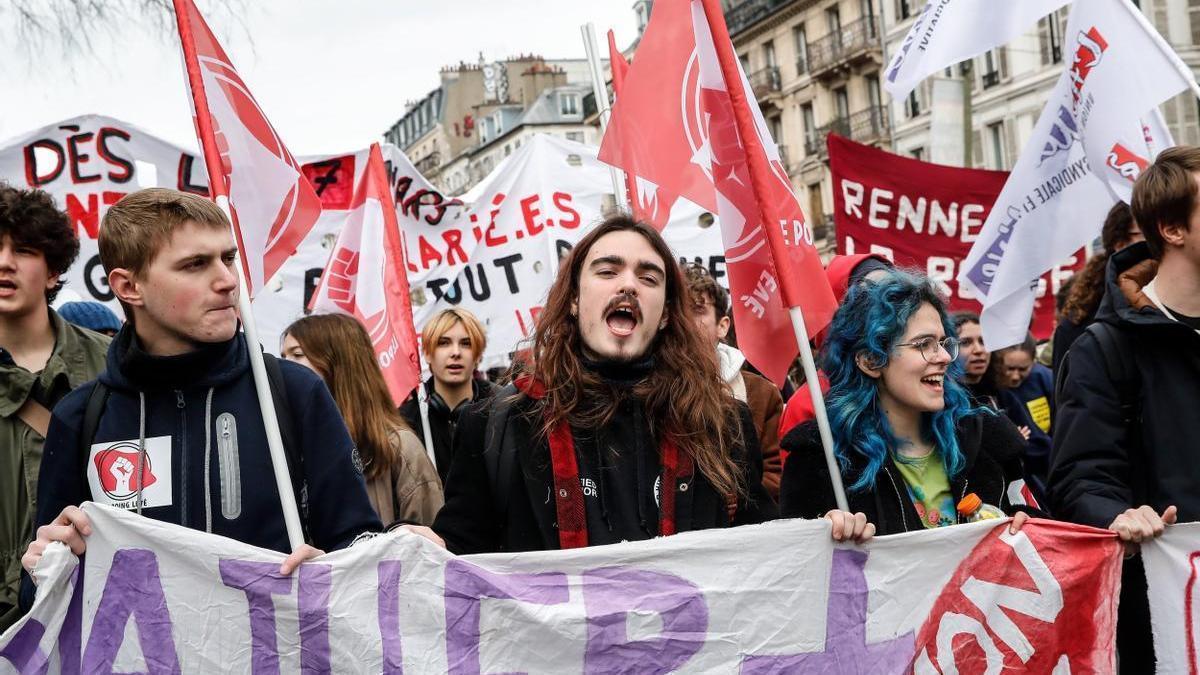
[(924, 216), (87, 164), (772, 598), (1172, 568)]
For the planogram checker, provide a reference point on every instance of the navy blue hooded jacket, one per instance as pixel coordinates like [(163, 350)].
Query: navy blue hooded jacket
[(206, 466)]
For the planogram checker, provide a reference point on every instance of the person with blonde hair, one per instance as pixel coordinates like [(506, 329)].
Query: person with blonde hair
[(401, 482), (453, 343)]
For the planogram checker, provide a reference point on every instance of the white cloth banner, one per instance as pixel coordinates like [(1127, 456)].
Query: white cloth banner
[(1172, 568), (949, 31), (1099, 129), (87, 164), (772, 598)]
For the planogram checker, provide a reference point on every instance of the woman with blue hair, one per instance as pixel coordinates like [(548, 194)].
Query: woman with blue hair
[(910, 445)]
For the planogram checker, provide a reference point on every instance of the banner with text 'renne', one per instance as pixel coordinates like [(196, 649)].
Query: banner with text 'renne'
[(772, 598)]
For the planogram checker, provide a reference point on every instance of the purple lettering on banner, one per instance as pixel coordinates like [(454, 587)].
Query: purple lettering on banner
[(610, 594), (315, 582), (846, 648), (70, 636), (259, 581), (133, 588), (467, 584), (389, 616), (23, 652)]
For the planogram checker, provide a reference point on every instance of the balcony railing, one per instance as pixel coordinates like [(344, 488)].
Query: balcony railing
[(865, 126), (745, 14), (429, 163), (991, 79), (855, 38), (765, 81)]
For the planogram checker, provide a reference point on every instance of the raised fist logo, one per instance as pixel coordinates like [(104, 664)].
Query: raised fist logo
[(116, 468), (122, 469)]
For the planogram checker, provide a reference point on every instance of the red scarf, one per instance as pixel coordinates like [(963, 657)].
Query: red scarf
[(568, 493)]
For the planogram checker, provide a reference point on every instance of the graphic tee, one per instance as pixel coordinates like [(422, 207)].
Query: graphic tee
[(929, 489)]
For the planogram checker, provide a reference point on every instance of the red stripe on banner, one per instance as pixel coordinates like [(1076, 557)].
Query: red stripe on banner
[(1187, 613)]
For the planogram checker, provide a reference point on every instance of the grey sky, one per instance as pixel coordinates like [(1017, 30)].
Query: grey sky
[(331, 75)]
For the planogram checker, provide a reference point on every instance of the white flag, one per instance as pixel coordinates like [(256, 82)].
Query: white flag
[(949, 31), (1099, 130)]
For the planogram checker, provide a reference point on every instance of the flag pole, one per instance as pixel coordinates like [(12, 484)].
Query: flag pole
[(601, 94), (759, 176), (220, 192), (618, 83), (1166, 49)]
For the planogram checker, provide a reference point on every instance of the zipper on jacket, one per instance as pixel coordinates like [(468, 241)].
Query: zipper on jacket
[(228, 466), (183, 457)]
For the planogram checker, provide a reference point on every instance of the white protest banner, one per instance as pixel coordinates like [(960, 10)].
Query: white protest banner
[(949, 31), (1091, 142), (1172, 568), (87, 164), (495, 255), (772, 598)]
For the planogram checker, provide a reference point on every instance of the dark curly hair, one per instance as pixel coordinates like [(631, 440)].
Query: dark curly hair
[(1088, 286), (31, 218)]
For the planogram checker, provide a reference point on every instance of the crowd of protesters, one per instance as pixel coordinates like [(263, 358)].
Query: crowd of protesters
[(629, 416)]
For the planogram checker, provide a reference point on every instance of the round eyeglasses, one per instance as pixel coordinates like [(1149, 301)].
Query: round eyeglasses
[(928, 346)]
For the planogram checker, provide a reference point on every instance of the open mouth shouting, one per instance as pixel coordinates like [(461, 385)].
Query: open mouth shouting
[(623, 316), (7, 287)]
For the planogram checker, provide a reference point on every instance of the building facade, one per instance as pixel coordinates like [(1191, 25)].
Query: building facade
[(481, 113)]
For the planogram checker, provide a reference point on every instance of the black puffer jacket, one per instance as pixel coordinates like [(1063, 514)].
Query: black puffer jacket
[(1098, 469), (990, 443), (443, 422)]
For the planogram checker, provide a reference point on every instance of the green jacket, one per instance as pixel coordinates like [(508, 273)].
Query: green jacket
[(78, 357)]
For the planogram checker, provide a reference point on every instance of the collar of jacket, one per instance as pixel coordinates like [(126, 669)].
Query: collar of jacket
[(439, 405), (129, 367), (68, 361), (1129, 271)]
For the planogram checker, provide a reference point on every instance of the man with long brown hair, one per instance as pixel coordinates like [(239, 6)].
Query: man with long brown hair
[(619, 428)]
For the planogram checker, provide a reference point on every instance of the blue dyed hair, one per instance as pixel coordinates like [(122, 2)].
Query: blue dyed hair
[(871, 320)]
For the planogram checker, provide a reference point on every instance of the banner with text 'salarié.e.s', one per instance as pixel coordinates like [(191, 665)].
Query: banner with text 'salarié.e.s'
[(773, 598)]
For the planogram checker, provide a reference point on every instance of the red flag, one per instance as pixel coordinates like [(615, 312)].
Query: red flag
[(365, 278), (685, 121), (649, 202), (272, 205)]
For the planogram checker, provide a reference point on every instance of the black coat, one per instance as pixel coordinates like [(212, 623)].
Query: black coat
[(1097, 470), (442, 420), (990, 444), (471, 522)]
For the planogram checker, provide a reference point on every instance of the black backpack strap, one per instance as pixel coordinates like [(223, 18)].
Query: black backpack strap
[(287, 431), (499, 459), (1119, 363), (92, 411)]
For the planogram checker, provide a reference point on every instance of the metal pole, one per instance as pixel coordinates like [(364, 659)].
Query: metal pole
[(423, 406), (818, 401), (601, 93), (266, 404)]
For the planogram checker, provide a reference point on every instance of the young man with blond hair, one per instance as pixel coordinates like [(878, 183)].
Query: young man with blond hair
[(1126, 426), (179, 436), (453, 342), (42, 357)]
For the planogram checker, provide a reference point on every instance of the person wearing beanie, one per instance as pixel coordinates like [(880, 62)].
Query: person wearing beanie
[(92, 316)]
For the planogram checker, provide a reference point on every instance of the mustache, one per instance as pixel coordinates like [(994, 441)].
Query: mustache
[(625, 300)]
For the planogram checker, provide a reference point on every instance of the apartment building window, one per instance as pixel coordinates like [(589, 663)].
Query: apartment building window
[(868, 13), (568, 104), (745, 59), (994, 68), (776, 126), (498, 120), (1194, 20), (810, 128), (1050, 37), (769, 54), (873, 94), (833, 20), (917, 153), (904, 9), (800, 37), (995, 134), (912, 105)]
